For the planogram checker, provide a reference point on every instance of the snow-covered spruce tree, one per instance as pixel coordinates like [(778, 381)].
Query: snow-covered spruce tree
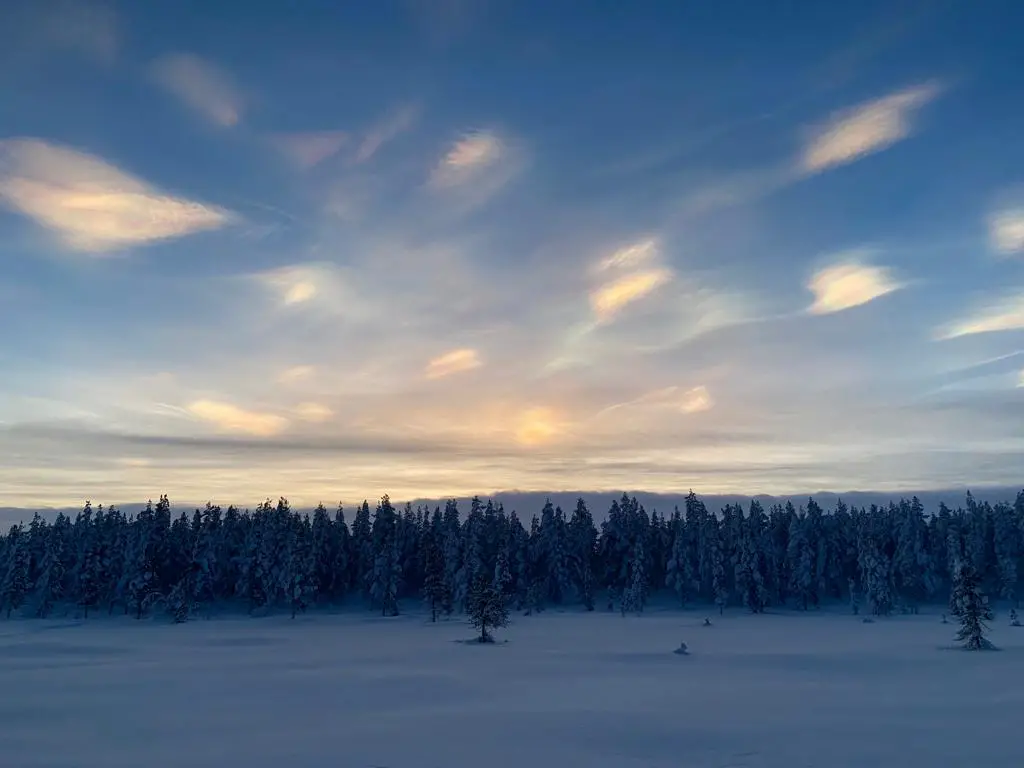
[(362, 550), (323, 552), (15, 582), (635, 595), (676, 576), (386, 568), (181, 602), (801, 557), (719, 586), (487, 609), (583, 536), (752, 565), (300, 567), (502, 575), (971, 607), (1008, 550), (435, 590), (50, 586)]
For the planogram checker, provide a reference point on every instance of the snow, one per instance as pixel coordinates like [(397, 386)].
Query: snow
[(567, 689)]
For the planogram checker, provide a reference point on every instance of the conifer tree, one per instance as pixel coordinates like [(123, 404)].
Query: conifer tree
[(50, 587), (435, 591), (971, 607), (15, 582), (487, 609)]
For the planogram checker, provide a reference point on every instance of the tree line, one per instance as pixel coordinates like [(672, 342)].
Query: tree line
[(880, 559)]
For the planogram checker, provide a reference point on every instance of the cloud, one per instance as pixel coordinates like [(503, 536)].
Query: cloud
[(202, 86), (92, 205), (296, 373), (230, 418), (865, 129), (1002, 315), (399, 121), (456, 361), (309, 149), (848, 284), (611, 298), (696, 400), (630, 256), (470, 155), (313, 412), (298, 284), (1006, 231), (1020, 379), (635, 272)]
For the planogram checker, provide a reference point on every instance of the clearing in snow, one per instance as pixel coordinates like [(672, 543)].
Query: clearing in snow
[(593, 690)]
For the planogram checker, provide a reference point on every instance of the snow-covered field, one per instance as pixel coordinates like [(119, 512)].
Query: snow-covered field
[(569, 690)]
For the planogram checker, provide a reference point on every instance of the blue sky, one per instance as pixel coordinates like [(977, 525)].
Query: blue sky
[(434, 248)]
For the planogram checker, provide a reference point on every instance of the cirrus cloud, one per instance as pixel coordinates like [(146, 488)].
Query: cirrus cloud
[(456, 361), (865, 129), (201, 86), (1006, 231), (227, 417), (848, 283), (1005, 314), (89, 203), (467, 158)]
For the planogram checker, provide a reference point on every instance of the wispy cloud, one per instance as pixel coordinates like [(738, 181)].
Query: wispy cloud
[(456, 361), (1020, 379), (467, 158), (634, 255), (311, 148), (296, 284), (1006, 231), (296, 374), (626, 276), (848, 283), (396, 123), (697, 400), (1005, 314), (92, 205), (202, 86), (865, 129), (612, 297), (231, 418), (313, 412), (474, 169), (693, 400)]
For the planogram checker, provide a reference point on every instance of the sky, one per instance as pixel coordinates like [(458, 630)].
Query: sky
[(445, 247)]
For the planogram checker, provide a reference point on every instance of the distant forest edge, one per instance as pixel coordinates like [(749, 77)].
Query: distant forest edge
[(159, 560)]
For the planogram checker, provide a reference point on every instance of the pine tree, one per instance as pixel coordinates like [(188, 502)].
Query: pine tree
[(971, 607), (486, 608)]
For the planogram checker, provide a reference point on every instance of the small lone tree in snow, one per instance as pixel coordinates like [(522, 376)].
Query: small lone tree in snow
[(971, 607), (486, 608)]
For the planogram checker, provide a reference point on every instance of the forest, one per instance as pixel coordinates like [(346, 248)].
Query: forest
[(160, 562)]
